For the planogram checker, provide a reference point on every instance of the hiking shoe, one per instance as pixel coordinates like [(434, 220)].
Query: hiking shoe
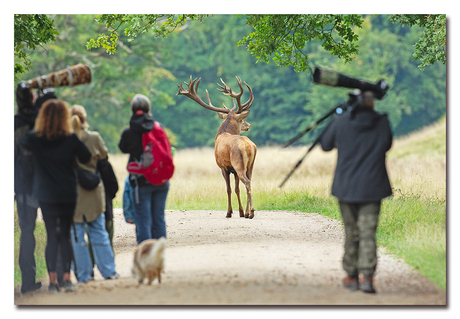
[(30, 288), (69, 286), (367, 286), (53, 289), (115, 276), (351, 283)]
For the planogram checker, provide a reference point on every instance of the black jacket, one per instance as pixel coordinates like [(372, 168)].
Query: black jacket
[(110, 185), (362, 138), (23, 165), (55, 178), (131, 138)]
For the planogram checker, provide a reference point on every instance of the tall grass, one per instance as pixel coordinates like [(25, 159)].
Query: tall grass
[(412, 222), (414, 229)]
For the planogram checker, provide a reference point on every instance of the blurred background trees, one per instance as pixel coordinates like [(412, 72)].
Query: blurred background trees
[(370, 47)]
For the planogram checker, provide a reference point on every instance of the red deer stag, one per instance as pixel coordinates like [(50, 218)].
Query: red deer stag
[(234, 153)]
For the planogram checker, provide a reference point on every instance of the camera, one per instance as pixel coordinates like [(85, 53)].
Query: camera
[(332, 78), (70, 76)]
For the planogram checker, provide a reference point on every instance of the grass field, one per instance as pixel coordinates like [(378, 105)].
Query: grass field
[(412, 222)]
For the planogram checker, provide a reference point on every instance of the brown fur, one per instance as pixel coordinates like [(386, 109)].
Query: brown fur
[(234, 153), (148, 260)]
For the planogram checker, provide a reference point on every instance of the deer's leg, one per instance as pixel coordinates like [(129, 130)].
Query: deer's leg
[(237, 191), (249, 174), (226, 175), (247, 182)]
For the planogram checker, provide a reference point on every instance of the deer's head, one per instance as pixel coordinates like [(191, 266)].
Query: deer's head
[(234, 122)]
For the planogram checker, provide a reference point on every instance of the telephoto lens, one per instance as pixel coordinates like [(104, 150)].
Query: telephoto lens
[(335, 79)]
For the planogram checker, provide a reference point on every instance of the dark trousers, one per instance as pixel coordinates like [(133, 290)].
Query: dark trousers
[(27, 214), (58, 219), (360, 220)]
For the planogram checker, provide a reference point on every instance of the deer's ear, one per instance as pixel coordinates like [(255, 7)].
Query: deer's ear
[(243, 114), (222, 115)]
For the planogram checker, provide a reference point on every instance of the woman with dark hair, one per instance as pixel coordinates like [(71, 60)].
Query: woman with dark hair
[(149, 200), (55, 147)]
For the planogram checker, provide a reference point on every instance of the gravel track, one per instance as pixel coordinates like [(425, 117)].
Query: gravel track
[(277, 258)]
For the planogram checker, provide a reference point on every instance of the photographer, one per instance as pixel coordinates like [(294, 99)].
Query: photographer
[(55, 147), (26, 203), (362, 138)]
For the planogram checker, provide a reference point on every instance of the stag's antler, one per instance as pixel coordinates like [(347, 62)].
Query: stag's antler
[(237, 96), (192, 94)]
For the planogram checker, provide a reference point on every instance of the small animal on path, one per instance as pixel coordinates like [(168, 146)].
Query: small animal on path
[(149, 259)]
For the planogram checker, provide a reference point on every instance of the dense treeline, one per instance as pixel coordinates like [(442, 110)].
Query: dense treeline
[(285, 101)]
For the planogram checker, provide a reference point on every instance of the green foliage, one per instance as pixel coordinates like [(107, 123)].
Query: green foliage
[(285, 101), (283, 37), (115, 78), (30, 31), (431, 47), (160, 25), (414, 97)]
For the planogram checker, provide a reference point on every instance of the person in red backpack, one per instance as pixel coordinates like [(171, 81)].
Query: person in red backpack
[(149, 199)]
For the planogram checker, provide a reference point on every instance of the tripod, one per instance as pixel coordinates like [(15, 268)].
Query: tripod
[(352, 102)]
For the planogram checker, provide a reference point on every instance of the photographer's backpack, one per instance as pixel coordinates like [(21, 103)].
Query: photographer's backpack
[(156, 163)]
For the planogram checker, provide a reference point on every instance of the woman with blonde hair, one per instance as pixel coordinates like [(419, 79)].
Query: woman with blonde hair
[(55, 148), (91, 207)]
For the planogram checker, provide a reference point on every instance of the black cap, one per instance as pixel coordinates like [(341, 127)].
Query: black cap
[(24, 97)]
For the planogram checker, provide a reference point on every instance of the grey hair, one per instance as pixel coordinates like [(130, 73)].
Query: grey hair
[(140, 102)]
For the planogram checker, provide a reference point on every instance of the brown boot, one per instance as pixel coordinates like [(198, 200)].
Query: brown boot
[(351, 283), (367, 285)]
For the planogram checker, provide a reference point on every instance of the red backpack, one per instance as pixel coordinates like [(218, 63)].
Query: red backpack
[(156, 163)]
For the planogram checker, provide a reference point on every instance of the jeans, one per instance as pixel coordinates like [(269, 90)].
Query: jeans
[(149, 211), (360, 221), (103, 254), (109, 228), (27, 214)]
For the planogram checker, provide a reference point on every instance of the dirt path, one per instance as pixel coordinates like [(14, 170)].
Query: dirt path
[(277, 258)]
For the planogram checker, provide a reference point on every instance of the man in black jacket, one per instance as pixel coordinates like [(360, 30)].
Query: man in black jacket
[(362, 138), (26, 204), (24, 172)]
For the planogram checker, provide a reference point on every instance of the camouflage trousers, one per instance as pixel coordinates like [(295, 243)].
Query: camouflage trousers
[(360, 220)]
